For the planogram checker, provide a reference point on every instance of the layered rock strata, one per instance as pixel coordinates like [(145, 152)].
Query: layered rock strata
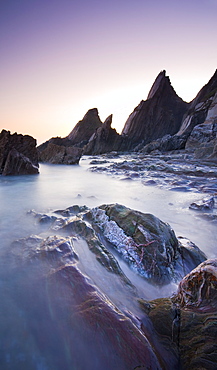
[(159, 115), (106, 139), (146, 243), (85, 128), (186, 323)]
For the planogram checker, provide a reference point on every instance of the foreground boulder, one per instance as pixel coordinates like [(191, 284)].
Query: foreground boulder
[(18, 154), (146, 243), (77, 317), (186, 324)]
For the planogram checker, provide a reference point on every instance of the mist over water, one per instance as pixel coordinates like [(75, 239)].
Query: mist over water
[(24, 326)]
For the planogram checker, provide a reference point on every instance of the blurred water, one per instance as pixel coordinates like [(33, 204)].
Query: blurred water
[(58, 187)]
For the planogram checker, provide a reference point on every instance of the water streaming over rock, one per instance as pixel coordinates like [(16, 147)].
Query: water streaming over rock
[(37, 329)]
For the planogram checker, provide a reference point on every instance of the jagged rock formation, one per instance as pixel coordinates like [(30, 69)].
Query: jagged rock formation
[(18, 154), (203, 109), (85, 128), (159, 115), (163, 122), (90, 136), (105, 139), (198, 124)]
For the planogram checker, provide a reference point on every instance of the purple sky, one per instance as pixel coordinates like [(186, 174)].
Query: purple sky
[(60, 58)]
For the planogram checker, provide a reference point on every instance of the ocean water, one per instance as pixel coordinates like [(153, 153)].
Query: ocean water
[(31, 332)]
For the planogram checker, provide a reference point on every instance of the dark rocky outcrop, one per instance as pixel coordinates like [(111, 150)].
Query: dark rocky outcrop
[(160, 114), (164, 144), (85, 128), (196, 130), (203, 108), (18, 154), (59, 154), (75, 310), (146, 243), (203, 141), (105, 139), (163, 122), (186, 323)]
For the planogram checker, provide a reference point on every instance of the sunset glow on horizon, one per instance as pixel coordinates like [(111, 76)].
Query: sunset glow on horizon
[(61, 58)]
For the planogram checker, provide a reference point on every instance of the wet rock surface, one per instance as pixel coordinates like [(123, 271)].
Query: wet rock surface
[(177, 332), (174, 171), (146, 243), (74, 310), (206, 204), (186, 323)]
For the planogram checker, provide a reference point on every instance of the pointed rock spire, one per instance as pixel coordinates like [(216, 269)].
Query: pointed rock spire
[(157, 83), (159, 115), (85, 128)]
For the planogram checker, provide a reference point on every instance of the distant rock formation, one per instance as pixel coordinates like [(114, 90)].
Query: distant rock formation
[(18, 154), (198, 128), (159, 115), (105, 139), (59, 154), (163, 122), (69, 150), (85, 128), (203, 109)]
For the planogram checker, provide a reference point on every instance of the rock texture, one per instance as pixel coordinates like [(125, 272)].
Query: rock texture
[(166, 333), (196, 130), (85, 128), (146, 243), (105, 139), (76, 311), (53, 153), (18, 154), (159, 115), (163, 122), (186, 324), (203, 108)]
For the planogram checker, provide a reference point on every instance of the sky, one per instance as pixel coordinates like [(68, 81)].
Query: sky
[(59, 58)]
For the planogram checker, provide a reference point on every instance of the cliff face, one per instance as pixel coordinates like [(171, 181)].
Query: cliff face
[(160, 114), (85, 128)]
